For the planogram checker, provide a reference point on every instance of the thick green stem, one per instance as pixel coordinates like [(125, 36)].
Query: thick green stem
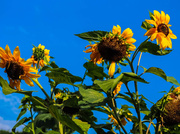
[(60, 128), (42, 89)]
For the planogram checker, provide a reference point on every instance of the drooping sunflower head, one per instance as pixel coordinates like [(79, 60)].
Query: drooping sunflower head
[(40, 55), (115, 45), (16, 68), (171, 115), (160, 30)]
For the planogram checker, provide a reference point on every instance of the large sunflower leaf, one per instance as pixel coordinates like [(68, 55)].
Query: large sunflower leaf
[(61, 75), (92, 35), (153, 49), (159, 72), (91, 95), (8, 90), (83, 125), (108, 84), (128, 76), (21, 122)]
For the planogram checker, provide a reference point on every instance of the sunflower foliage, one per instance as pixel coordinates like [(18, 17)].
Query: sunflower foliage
[(70, 105)]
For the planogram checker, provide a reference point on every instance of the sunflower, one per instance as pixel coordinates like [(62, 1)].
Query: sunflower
[(40, 56), (16, 68), (113, 47), (161, 31)]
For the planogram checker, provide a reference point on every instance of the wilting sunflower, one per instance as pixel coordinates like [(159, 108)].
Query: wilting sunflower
[(40, 56), (16, 68), (113, 47), (161, 31)]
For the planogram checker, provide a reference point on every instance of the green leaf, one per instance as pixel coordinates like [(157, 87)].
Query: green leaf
[(94, 71), (92, 35), (8, 90), (146, 25), (83, 125), (61, 75), (22, 121), (132, 77), (23, 111), (108, 84), (159, 72), (153, 49), (172, 80), (91, 95), (150, 15)]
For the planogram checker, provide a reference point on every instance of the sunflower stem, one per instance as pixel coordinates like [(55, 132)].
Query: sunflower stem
[(60, 128), (33, 131), (42, 89)]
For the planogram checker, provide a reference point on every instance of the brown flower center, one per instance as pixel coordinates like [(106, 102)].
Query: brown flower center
[(112, 49), (14, 70), (163, 28)]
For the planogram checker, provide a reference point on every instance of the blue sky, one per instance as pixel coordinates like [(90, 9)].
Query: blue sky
[(54, 23)]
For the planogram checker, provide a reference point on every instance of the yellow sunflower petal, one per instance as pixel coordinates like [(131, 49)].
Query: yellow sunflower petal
[(130, 40), (33, 75), (28, 81), (151, 22), (127, 33), (8, 51), (112, 69), (171, 35), (16, 53), (163, 17), (167, 19), (164, 43), (150, 32), (46, 52), (154, 35), (116, 30), (132, 47), (157, 14)]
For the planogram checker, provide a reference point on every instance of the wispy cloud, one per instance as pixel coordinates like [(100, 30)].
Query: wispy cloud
[(12, 101), (8, 125)]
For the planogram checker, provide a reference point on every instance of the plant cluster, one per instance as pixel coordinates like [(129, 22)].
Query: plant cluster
[(65, 111)]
